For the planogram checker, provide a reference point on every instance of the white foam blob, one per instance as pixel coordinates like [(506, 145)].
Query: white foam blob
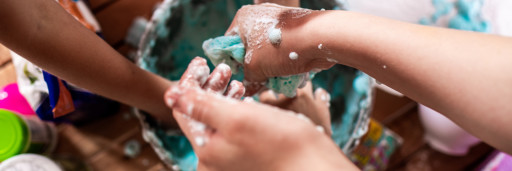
[(293, 56)]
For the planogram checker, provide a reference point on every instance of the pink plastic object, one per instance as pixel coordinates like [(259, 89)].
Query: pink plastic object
[(443, 135), (11, 99)]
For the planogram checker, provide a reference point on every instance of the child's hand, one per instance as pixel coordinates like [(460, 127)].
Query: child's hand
[(314, 105), (251, 136), (270, 34), (198, 76)]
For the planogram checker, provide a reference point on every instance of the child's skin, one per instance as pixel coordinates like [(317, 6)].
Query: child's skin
[(45, 34), (464, 75)]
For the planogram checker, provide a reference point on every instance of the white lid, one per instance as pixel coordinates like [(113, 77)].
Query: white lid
[(29, 162)]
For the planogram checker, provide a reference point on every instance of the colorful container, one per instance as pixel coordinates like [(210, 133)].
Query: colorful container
[(21, 134), (11, 99), (29, 162)]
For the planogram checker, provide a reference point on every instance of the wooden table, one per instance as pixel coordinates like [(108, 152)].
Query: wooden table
[(101, 143)]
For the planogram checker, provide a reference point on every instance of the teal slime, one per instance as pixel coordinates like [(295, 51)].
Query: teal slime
[(225, 49), (175, 36), (468, 15), (230, 50)]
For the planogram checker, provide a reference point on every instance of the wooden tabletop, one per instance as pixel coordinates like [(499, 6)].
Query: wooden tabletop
[(101, 143)]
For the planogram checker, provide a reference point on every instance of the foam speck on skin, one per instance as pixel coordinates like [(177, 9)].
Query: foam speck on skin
[(190, 107), (293, 55), (234, 88), (170, 102), (196, 126), (200, 141), (384, 66), (316, 70), (320, 46), (274, 35), (303, 117), (320, 129), (248, 57), (249, 100), (332, 60), (323, 9), (215, 78), (198, 71)]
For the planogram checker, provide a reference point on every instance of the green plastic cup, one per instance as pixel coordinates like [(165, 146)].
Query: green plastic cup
[(20, 134)]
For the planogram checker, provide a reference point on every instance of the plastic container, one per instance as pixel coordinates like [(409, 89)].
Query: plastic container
[(25, 135), (11, 99), (443, 135), (174, 36), (29, 162)]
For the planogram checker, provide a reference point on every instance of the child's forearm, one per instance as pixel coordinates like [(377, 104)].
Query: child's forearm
[(45, 34), (464, 75)]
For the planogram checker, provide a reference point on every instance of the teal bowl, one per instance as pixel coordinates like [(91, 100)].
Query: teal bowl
[(174, 37)]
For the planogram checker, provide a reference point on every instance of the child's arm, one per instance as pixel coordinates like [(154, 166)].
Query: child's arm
[(463, 75), (44, 33)]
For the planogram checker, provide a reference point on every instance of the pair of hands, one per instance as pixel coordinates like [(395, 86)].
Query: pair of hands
[(229, 134)]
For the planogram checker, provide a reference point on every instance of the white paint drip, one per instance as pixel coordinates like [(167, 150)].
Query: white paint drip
[(293, 56)]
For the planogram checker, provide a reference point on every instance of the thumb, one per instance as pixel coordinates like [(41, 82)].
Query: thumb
[(206, 107)]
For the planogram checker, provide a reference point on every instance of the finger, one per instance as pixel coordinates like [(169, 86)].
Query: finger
[(193, 130), (322, 97), (308, 89), (271, 98), (252, 88), (235, 90), (202, 106), (218, 79), (196, 73)]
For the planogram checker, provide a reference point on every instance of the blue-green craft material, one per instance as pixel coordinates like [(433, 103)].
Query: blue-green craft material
[(468, 15), (175, 36), (231, 51), (226, 49)]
